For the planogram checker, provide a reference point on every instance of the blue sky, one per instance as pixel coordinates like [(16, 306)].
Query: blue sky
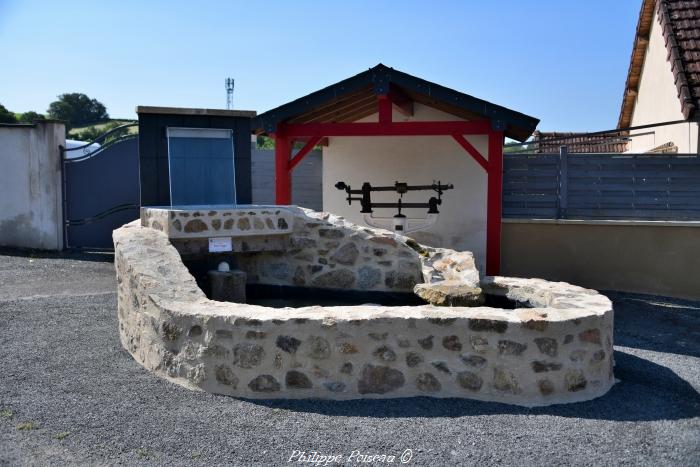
[(562, 61)]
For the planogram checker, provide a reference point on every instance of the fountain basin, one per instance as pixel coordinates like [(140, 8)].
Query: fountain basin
[(553, 346)]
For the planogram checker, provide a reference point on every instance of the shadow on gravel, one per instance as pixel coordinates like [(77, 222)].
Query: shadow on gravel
[(646, 392), (660, 324), (106, 256)]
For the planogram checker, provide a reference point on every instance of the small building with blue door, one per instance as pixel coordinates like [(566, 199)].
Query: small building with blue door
[(191, 157)]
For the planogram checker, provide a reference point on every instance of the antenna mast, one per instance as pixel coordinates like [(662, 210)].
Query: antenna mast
[(229, 93)]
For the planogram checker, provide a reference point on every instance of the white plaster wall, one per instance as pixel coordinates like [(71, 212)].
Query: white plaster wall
[(416, 160), (30, 186), (657, 101)]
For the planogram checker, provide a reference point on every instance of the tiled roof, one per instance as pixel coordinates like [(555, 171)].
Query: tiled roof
[(680, 25), (549, 142)]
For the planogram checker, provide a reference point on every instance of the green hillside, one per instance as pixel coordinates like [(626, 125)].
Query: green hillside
[(90, 132)]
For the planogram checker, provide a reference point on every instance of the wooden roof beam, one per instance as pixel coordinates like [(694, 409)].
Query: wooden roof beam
[(323, 112), (358, 113), (332, 114)]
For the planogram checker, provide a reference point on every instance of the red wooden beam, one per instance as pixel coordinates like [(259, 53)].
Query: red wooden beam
[(472, 151), (493, 209), (283, 176), (310, 144), (321, 142), (435, 128)]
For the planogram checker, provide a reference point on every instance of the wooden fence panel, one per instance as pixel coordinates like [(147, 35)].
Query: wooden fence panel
[(602, 186)]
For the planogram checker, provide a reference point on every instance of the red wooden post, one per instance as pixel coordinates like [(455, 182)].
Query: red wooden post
[(283, 176), (493, 205), (384, 107)]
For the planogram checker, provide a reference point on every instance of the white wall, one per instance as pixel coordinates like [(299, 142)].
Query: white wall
[(417, 160), (657, 101), (30, 186)]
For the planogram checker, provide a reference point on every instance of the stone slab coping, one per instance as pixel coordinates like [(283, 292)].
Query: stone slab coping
[(218, 221), (564, 306), (632, 222), (202, 207), (143, 109)]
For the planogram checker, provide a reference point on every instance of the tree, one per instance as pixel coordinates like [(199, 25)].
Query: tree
[(513, 147), (265, 142), (77, 109), (31, 117), (6, 116)]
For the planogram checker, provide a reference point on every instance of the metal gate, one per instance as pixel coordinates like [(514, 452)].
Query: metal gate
[(100, 188)]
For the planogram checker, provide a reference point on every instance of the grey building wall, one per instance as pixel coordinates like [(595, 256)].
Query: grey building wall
[(31, 214), (306, 179)]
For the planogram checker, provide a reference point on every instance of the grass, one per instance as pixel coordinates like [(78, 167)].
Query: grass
[(26, 426), (101, 125), (61, 435), (144, 453), (6, 413)]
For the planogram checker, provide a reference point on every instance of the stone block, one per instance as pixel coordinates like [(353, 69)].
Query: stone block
[(450, 293), (228, 286)]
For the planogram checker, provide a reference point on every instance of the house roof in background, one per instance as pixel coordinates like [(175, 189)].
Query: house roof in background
[(680, 25), (356, 97), (549, 142)]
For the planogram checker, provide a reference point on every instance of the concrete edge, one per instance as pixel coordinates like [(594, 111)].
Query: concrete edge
[(604, 222)]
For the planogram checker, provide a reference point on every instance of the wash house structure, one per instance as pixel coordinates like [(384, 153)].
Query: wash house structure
[(383, 126)]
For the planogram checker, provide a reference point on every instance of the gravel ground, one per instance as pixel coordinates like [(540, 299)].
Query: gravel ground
[(69, 394)]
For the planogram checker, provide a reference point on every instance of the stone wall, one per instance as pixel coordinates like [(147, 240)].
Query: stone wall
[(208, 222), (559, 350), (298, 247)]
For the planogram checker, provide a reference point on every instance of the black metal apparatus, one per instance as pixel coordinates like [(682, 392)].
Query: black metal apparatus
[(400, 222), (399, 187)]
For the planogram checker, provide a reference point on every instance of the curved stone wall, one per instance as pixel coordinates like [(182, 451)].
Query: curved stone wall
[(558, 350)]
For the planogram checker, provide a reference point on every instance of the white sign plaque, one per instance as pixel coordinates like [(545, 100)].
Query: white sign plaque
[(219, 244)]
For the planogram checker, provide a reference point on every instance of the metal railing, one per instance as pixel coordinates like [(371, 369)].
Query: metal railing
[(99, 139)]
